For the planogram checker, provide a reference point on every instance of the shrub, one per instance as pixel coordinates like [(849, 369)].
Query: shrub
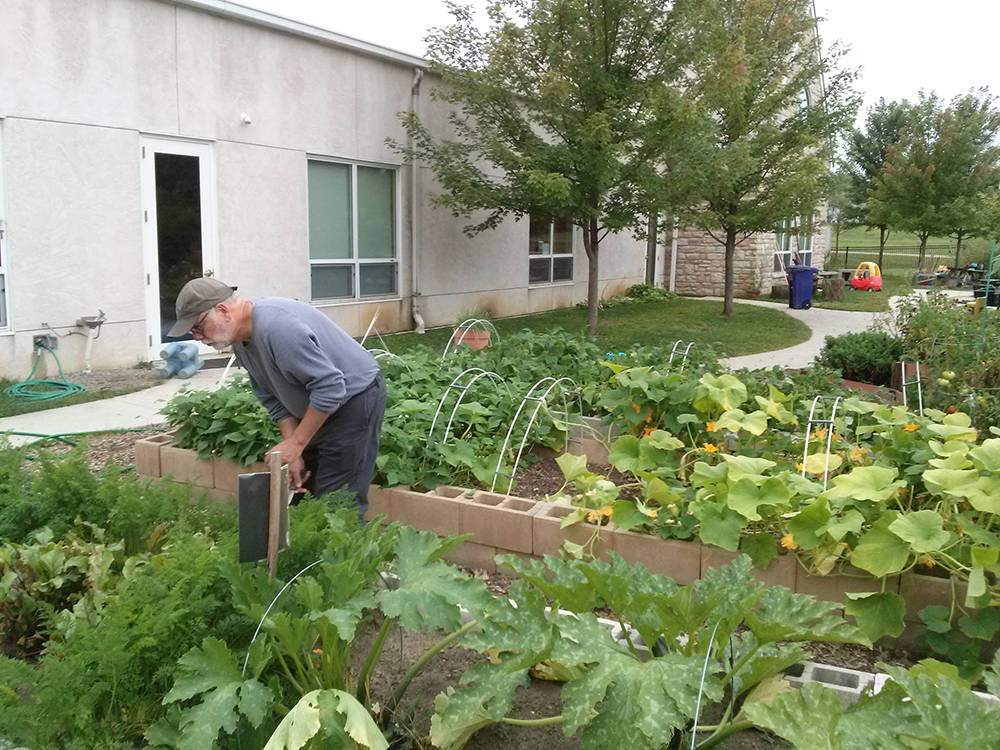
[(866, 356)]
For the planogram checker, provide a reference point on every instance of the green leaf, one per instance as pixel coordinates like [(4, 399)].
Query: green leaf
[(335, 713), (807, 718), (624, 454), (761, 547), (647, 701), (868, 483), (840, 526), (458, 714), (806, 526), (935, 669), (922, 529), (745, 467), (664, 441), (627, 515), (719, 392), (745, 497), (937, 618), (572, 466), (982, 624), (977, 595), (720, 525), (347, 616), (429, 593), (212, 674), (992, 676), (736, 419), (880, 551), (878, 614), (986, 457), (785, 616)]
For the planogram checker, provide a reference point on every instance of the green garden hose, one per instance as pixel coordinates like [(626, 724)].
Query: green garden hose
[(44, 390)]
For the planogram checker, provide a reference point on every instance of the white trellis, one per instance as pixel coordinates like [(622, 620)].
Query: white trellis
[(463, 330), (829, 436), (675, 349), (380, 353), (478, 372), (549, 383), (917, 382)]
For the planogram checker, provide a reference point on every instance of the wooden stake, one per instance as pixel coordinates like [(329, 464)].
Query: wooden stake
[(274, 514)]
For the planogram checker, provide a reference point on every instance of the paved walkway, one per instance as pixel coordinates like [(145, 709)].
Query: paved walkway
[(822, 322), (137, 409)]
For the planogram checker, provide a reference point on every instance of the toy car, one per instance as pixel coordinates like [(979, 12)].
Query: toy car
[(867, 277)]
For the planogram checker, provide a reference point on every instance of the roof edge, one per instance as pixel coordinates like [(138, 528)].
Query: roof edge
[(238, 12)]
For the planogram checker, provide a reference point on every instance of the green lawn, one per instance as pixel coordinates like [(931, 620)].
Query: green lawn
[(10, 407), (892, 284), (751, 330), (973, 250)]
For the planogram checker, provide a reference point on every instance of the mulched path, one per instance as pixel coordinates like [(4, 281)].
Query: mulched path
[(118, 447)]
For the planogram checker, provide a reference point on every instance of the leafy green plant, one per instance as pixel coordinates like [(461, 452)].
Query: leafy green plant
[(716, 643), (301, 680), (40, 579), (865, 356), (228, 422)]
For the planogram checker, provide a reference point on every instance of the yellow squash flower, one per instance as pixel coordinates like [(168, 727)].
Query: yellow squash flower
[(595, 516), (911, 427), (788, 542), (710, 426), (709, 448)]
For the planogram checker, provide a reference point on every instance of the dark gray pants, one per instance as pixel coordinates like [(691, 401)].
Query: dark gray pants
[(343, 452)]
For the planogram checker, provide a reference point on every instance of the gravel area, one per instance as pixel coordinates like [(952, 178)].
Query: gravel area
[(112, 446), (126, 378)]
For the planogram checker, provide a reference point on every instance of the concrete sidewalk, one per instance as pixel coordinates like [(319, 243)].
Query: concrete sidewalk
[(137, 409), (822, 322)]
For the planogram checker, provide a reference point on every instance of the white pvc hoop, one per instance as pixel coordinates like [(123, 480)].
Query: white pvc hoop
[(686, 351), (453, 384), (829, 435), (465, 327), (494, 378), (384, 353), (531, 423), (673, 351), (225, 373)]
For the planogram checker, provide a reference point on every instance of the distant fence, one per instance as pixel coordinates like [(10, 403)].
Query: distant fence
[(895, 257)]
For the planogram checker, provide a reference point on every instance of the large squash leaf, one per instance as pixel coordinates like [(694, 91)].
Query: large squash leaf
[(333, 714), (429, 593)]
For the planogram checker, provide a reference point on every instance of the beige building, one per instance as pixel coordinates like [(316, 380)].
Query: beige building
[(143, 142)]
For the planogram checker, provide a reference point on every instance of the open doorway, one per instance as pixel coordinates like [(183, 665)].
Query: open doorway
[(178, 227)]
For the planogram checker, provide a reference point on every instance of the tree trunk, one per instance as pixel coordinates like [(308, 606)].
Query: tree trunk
[(651, 251), (958, 249), (923, 252), (727, 306), (836, 248), (590, 243), (881, 245)]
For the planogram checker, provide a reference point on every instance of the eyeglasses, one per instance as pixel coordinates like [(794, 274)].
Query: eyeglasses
[(197, 327)]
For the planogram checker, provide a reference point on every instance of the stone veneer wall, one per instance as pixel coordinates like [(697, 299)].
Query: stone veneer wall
[(701, 262)]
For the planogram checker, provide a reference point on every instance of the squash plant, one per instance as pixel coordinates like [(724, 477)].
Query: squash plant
[(297, 682), (722, 641)]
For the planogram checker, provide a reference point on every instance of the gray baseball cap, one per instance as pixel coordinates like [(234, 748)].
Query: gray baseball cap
[(197, 296)]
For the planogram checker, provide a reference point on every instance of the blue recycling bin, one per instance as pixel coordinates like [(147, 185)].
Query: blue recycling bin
[(800, 286)]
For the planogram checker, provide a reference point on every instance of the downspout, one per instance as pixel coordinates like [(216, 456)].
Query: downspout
[(673, 256), (418, 320)]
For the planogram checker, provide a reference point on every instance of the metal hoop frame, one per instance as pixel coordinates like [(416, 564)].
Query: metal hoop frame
[(691, 345), (465, 327), (918, 382), (829, 436), (552, 383)]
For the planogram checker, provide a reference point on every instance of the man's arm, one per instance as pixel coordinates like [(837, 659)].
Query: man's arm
[(295, 436)]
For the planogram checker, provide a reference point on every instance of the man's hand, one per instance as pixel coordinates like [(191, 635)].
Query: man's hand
[(291, 454)]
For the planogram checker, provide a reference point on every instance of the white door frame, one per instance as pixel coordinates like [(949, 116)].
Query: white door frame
[(148, 147)]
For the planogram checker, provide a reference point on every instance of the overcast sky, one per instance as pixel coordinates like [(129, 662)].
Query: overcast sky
[(902, 46)]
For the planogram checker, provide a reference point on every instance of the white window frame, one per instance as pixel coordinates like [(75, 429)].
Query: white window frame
[(551, 257), (783, 237), (354, 261), (7, 325)]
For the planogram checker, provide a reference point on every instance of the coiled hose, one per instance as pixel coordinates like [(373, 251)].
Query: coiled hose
[(44, 390)]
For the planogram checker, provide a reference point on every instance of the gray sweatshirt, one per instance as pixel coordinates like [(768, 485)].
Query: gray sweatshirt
[(297, 357)]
